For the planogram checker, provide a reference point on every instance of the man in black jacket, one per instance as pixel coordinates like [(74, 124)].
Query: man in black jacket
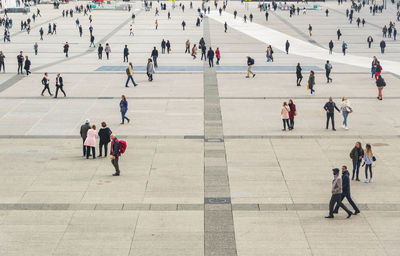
[(115, 154), (59, 85), (126, 53), (154, 55), (84, 129), (27, 65), (20, 59), (346, 191), (210, 55), (100, 52), (330, 113), (382, 45)]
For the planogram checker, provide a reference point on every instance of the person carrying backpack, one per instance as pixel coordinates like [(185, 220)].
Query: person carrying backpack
[(250, 63), (118, 147)]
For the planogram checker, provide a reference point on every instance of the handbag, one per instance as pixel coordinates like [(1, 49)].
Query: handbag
[(373, 158)]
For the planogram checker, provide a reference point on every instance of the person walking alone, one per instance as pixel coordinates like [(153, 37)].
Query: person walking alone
[(129, 73), (336, 197), (66, 49), (356, 155), (346, 110), (27, 66), (311, 82), (2, 57), (154, 55), (285, 116), (250, 63), (299, 76), (104, 138), (150, 69), (346, 192), (126, 53), (46, 82), (90, 142), (217, 55), (107, 50), (328, 69), (100, 52), (380, 83), (59, 85), (330, 107), (123, 105), (210, 56)]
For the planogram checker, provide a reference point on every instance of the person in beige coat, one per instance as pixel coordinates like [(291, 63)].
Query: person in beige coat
[(285, 115), (336, 197)]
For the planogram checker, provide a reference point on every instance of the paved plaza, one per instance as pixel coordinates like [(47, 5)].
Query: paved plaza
[(208, 170)]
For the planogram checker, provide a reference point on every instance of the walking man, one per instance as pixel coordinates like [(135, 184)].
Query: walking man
[(330, 47), (382, 45), (330, 107), (210, 55), (328, 69), (336, 197), (100, 52), (66, 48), (126, 53), (92, 41), (250, 63), (369, 41), (187, 44), (59, 85), (154, 55), (2, 57), (46, 82), (129, 73), (115, 154), (346, 191), (287, 45), (27, 66)]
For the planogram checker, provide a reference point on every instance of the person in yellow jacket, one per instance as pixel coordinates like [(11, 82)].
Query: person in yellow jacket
[(129, 73)]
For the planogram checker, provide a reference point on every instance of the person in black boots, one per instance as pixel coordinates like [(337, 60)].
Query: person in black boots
[(104, 135), (346, 191), (337, 194), (330, 113)]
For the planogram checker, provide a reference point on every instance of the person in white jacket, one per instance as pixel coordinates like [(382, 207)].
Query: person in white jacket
[(346, 110)]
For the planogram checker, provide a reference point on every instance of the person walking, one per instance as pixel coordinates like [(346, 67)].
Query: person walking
[(84, 129), (380, 83), (194, 51), (104, 138), (183, 25), (129, 73), (27, 66), (370, 40), (36, 48), (80, 30), (2, 65), (225, 27), (168, 45), (66, 49), (346, 191), (310, 29), (356, 155), (115, 154), (92, 41), (59, 85), (187, 45), (100, 52), (46, 83), (107, 50), (344, 48), (210, 56), (90, 142), (20, 60), (217, 55), (250, 63), (339, 34), (328, 69), (270, 53), (203, 52), (150, 69), (369, 158), (382, 44), (330, 47), (285, 116), (123, 105), (163, 45), (337, 190), (378, 70), (287, 45), (299, 76), (292, 114), (126, 53), (346, 110), (41, 32), (154, 55), (311, 82), (330, 107)]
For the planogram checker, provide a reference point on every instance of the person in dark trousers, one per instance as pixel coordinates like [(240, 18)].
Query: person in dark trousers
[(41, 33), (337, 195), (104, 135), (266, 15), (59, 85), (46, 82), (163, 45), (183, 25), (80, 31), (287, 45), (356, 155), (129, 73), (66, 49), (344, 48), (115, 154), (339, 34), (20, 59), (154, 55), (330, 47), (210, 56), (2, 57), (380, 83), (346, 191), (382, 44), (27, 66), (330, 107), (92, 41), (292, 113), (168, 44), (126, 53), (369, 41), (150, 69), (203, 52), (225, 26), (123, 105), (100, 52), (328, 69), (298, 74), (84, 129), (311, 82)]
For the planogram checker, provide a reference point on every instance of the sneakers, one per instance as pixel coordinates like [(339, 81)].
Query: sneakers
[(346, 128), (366, 181)]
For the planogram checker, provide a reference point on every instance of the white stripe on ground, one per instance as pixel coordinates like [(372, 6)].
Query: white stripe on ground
[(298, 47)]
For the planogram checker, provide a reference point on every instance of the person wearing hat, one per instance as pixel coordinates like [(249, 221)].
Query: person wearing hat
[(337, 194), (84, 129)]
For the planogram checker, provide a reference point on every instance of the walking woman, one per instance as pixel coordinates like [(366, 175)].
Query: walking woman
[(194, 51), (123, 105), (285, 115), (292, 114), (368, 160), (346, 110), (356, 155), (107, 50), (90, 142), (270, 54), (150, 69), (311, 81), (380, 83), (218, 55), (298, 74), (104, 135)]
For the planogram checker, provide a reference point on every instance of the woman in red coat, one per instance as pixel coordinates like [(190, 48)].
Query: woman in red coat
[(292, 114)]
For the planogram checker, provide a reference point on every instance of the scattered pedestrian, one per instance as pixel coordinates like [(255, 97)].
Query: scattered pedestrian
[(328, 69), (380, 83), (27, 66), (218, 55), (126, 53), (123, 105), (210, 56), (36, 48), (311, 82), (336, 197), (154, 55), (150, 69), (46, 84), (20, 60), (107, 50), (292, 114), (2, 62), (330, 107), (100, 52), (66, 49), (59, 85), (344, 48), (287, 45), (84, 129), (299, 76), (115, 153), (250, 63), (129, 73)]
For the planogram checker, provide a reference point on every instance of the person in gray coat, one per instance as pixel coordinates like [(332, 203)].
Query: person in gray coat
[(150, 69), (84, 129), (336, 198)]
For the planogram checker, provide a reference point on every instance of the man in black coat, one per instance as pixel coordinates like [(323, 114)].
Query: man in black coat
[(84, 129), (126, 53), (346, 191), (154, 55), (330, 113), (59, 85), (20, 59), (382, 45), (27, 66), (100, 52), (210, 56)]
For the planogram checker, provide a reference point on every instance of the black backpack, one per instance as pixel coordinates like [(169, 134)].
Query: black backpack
[(251, 61)]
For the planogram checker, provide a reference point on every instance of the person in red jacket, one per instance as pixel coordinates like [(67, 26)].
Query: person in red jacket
[(292, 114)]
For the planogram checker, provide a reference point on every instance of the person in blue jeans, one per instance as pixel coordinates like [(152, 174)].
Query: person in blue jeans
[(123, 105), (311, 82), (129, 73), (356, 155)]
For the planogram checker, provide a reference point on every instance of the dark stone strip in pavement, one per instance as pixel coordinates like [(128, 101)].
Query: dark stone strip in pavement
[(219, 213), (219, 234)]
